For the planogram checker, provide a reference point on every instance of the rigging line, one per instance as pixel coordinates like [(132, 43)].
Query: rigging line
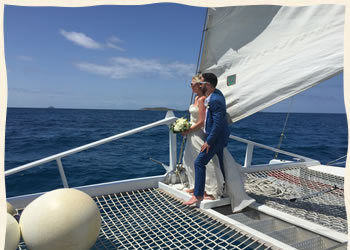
[(284, 127), (197, 71), (201, 46), (339, 163), (336, 159)]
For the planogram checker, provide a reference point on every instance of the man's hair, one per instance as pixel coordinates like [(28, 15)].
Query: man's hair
[(211, 78)]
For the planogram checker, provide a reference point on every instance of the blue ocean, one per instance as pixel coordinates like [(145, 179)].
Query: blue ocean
[(35, 133)]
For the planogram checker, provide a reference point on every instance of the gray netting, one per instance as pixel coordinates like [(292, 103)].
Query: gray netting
[(317, 198), (151, 219)]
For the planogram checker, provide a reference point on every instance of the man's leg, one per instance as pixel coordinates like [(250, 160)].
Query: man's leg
[(200, 168), (199, 180)]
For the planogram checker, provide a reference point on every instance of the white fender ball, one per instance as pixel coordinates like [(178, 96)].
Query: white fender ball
[(10, 209), (61, 219), (13, 233)]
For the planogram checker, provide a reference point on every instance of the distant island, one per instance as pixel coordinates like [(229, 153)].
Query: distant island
[(158, 109), (51, 107)]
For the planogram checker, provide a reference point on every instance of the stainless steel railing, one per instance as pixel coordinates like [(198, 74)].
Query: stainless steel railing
[(169, 118), (301, 160)]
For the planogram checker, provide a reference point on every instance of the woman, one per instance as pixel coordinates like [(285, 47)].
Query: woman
[(214, 182), (215, 187)]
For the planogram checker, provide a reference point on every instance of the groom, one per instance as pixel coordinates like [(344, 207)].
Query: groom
[(216, 134)]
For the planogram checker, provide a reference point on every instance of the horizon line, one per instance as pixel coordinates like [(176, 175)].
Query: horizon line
[(181, 110)]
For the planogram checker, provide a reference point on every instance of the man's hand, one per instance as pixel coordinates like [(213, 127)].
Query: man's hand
[(205, 147)]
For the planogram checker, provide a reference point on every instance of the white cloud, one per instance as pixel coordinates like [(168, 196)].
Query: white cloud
[(115, 39), (22, 90), (113, 43), (32, 91), (81, 39), (25, 58), (122, 67), (114, 46)]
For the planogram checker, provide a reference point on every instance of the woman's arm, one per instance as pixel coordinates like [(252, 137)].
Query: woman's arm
[(201, 116)]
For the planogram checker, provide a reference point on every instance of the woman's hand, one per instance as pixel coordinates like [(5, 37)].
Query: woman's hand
[(186, 132)]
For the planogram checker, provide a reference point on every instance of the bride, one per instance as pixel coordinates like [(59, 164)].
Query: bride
[(215, 186)]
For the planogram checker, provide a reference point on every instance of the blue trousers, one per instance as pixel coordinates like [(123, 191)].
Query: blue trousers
[(200, 168)]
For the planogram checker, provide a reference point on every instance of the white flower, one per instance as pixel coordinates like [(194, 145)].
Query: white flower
[(180, 125), (181, 121), (206, 102)]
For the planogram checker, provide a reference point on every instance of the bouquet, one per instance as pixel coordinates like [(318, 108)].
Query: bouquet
[(180, 125)]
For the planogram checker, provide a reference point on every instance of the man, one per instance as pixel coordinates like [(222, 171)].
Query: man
[(216, 134)]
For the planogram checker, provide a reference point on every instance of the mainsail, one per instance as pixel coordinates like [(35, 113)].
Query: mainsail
[(265, 54)]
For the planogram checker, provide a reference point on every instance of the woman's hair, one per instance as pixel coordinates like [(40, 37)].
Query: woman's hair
[(196, 77)]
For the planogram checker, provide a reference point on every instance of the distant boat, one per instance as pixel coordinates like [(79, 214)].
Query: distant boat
[(51, 107)]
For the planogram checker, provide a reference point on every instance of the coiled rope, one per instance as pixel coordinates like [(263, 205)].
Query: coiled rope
[(268, 187)]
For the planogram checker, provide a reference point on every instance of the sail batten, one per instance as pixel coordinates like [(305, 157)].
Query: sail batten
[(265, 54)]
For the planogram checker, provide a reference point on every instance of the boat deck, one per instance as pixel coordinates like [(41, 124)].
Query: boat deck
[(152, 218)]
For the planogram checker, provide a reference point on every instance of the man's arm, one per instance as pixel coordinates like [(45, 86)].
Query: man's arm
[(219, 117)]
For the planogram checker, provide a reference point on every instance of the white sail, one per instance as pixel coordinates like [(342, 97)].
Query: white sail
[(270, 53)]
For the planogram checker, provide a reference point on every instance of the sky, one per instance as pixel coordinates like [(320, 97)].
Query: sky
[(118, 57)]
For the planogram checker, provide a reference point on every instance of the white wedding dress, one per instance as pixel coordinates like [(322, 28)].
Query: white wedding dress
[(214, 180)]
